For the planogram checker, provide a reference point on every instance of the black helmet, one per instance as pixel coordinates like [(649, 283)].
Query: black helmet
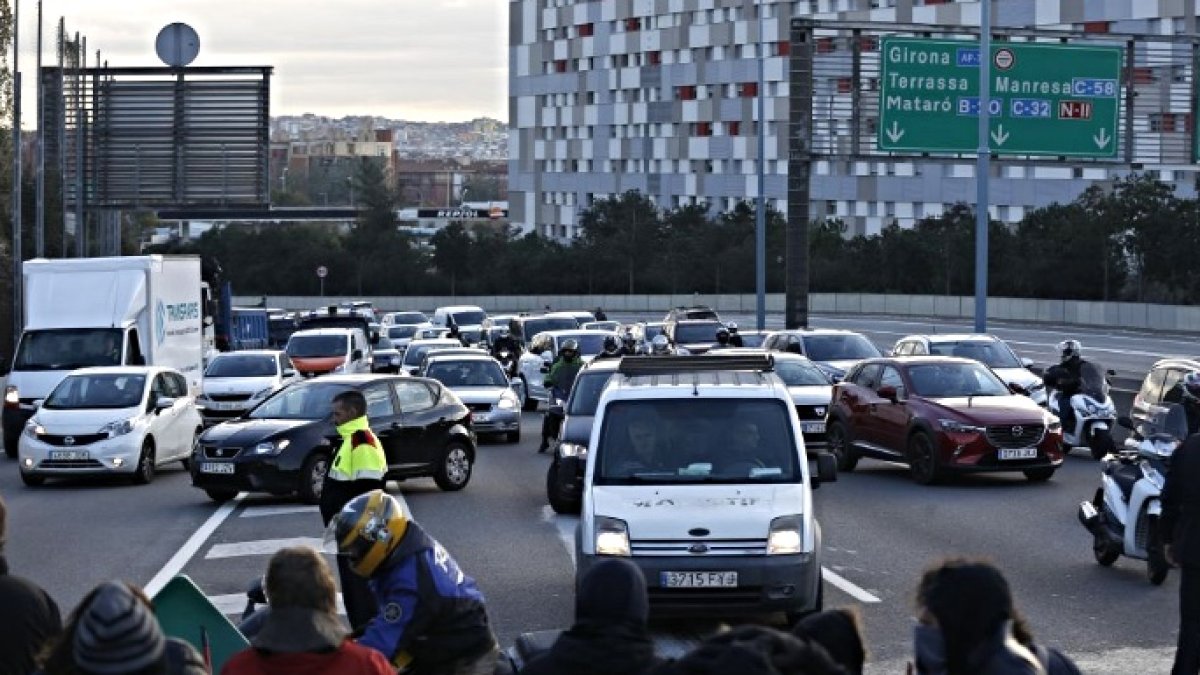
[(1069, 350), (367, 529), (1191, 383), (722, 335), (610, 343)]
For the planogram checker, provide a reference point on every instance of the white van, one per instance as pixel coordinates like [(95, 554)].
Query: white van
[(467, 317), (697, 473), (319, 351)]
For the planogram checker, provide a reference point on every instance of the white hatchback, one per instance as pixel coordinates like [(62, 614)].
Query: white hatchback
[(120, 420)]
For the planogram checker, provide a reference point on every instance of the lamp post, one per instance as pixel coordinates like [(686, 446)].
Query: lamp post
[(760, 216)]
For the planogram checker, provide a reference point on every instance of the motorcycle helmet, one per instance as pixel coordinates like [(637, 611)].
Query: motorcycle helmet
[(610, 343), (660, 345), (722, 335), (570, 346), (1069, 350), (367, 529), (1191, 384), (628, 340), (732, 326), (503, 332)]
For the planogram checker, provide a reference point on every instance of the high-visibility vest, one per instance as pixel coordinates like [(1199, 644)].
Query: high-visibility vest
[(360, 455)]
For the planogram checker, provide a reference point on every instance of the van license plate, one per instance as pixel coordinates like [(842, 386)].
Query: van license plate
[(698, 579), (1019, 453), (216, 467), (812, 427), (70, 455)]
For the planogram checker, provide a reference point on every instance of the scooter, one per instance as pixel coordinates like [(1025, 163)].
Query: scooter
[(1124, 515), (507, 361), (1095, 413)]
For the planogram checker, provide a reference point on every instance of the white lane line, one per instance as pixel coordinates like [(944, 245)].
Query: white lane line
[(235, 603), (263, 511), (841, 583), (177, 562), (260, 547)]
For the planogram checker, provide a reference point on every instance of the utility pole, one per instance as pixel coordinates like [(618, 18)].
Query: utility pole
[(760, 218), (18, 314), (39, 218), (983, 167)]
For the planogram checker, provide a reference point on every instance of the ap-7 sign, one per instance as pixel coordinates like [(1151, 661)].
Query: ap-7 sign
[(1046, 99)]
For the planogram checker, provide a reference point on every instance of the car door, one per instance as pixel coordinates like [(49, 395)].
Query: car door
[(164, 425), (889, 420), (188, 418), (384, 415), (855, 397), (416, 447)]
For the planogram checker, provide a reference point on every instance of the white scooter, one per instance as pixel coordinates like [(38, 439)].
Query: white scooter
[(1123, 517), (1095, 413)]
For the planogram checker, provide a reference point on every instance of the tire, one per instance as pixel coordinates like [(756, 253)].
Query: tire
[(922, 459), (794, 617), (513, 436), (453, 471), (220, 496), (1157, 567), (312, 477), (1102, 444), (1040, 475), (32, 480), (143, 473), (528, 403), (554, 494), (838, 443), (1105, 555)]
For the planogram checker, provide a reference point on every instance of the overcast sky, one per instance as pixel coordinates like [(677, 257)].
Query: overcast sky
[(425, 60)]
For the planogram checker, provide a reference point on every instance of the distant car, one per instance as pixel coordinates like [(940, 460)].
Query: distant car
[(753, 339), (986, 349), (464, 316), (402, 334), (940, 415), (319, 351), (564, 478), (235, 382), (401, 318), (528, 326), (580, 316), (542, 351), (430, 332), (645, 331), (280, 326), (116, 420), (448, 351), (601, 325), (693, 312), (418, 349), (695, 335), (385, 357), (480, 382), (285, 445), (835, 351)]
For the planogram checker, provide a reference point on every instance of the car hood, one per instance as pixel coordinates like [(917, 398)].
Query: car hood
[(83, 420), (670, 511), (992, 409), (217, 386), (1021, 376), (246, 431), (813, 395), (479, 394), (577, 429)]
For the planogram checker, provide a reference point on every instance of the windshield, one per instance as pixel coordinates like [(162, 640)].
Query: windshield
[(947, 380), (474, 373), (305, 401), (653, 330), (1170, 419), (682, 441), (753, 340), (239, 365), (97, 391), (409, 317), (1092, 381), (686, 333), (383, 344), (68, 349), (534, 326), (469, 318), (993, 354), (849, 347), (589, 344), (601, 325), (312, 346), (585, 394), (800, 374), (417, 350), (401, 332)]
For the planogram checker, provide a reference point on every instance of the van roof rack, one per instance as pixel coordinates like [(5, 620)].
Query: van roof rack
[(661, 365)]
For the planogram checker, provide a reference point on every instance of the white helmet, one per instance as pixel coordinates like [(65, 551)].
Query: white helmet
[(660, 345), (1069, 350)]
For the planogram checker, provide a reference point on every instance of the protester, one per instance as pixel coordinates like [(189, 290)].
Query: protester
[(28, 616), (1181, 537), (840, 633), (754, 650)]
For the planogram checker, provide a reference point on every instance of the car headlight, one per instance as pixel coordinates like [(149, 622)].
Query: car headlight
[(263, 393), (114, 429), (787, 536), (572, 450), (33, 429), (507, 402), (271, 447), (612, 537), (11, 396), (956, 427)]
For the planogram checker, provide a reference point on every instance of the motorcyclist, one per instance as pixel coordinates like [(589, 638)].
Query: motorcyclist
[(505, 341), (1066, 379), (735, 339), (722, 339), (600, 315), (628, 344), (612, 348), (661, 346), (560, 380)]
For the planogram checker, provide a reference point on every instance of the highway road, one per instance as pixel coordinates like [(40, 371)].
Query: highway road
[(880, 531)]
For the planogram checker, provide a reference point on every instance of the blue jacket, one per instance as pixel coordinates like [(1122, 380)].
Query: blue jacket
[(431, 614)]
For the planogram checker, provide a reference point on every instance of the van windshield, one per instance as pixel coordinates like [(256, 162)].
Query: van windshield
[(68, 349), (689, 441), (468, 318), (312, 346)]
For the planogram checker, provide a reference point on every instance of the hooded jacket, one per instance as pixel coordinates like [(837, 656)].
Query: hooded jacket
[(28, 619), (609, 636), (299, 641)]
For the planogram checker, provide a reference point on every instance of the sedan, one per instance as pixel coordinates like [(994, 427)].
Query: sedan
[(235, 382), (385, 357), (285, 445), (417, 350), (940, 415), (834, 351), (480, 382), (119, 420)]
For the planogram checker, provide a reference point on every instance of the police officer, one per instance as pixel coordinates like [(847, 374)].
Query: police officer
[(357, 468), (612, 348), (432, 618), (1180, 527)]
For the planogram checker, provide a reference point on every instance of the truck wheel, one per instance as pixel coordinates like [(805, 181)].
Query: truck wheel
[(312, 477), (453, 471), (144, 472)]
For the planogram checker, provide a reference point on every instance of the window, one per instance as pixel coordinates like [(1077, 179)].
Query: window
[(379, 402), (867, 376), (748, 89), (176, 385), (633, 24), (158, 389), (733, 128), (825, 45), (891, 378), (1096, 26), (686, 93), (783, 48), (654, 58), (560, 66), (586, 30), (903, 348), (413, 396), (703, 129)]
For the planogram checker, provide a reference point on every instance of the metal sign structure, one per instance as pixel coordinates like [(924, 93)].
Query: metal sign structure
[(1045, 99)]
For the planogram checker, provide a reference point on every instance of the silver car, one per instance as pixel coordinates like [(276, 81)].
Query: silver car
[(479, 381)]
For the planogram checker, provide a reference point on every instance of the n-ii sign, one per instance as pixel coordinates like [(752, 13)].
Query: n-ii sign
[(1046, 99)]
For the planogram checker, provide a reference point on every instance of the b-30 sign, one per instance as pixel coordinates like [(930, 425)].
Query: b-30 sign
[(1046, 99)]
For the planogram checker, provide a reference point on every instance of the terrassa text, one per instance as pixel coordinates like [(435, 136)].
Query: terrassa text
[(930, 91)]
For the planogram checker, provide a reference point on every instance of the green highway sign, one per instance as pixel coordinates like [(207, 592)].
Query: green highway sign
[(1047, 99)]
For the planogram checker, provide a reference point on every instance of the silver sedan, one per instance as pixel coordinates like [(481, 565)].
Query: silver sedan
[(479, 381)]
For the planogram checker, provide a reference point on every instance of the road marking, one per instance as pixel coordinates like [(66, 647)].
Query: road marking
[(181, 558), (260, 547), (846, 586), (264, 511), (235, 603)]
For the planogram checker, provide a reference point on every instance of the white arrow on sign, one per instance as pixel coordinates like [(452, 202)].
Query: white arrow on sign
[(895, 133), (1000, 135), (1102, 138)]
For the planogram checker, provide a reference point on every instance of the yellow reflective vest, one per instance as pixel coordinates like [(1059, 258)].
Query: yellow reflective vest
[(360, 456)]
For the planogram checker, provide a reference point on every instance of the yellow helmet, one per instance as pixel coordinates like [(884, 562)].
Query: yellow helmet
[(367, 529)]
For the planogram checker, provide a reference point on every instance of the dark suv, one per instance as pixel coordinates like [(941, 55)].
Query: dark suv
[(564, 479), (695, 335), (940, 415)]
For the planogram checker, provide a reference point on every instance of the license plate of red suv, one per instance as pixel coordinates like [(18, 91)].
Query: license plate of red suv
[(1018, 453)]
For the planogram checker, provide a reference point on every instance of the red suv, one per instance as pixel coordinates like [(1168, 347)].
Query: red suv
[(940, 415)]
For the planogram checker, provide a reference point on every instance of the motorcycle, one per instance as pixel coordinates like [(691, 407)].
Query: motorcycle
[(1123, 516), (508, 361), (1095, 413)]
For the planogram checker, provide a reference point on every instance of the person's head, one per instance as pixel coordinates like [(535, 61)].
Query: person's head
[(298, 577), (723, 336), (660, 345), (643, 434), (732, 326), (744, 436), (569, 350), (965, 603), (348, 405), (504, 333), (610, 344), (756, 650), (367, 529), (1191, 386), (113, 631), (840, 633), (1069, 351), (613, 591)]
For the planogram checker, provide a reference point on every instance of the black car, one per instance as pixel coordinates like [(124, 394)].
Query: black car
[(564, 479), (284, 445)]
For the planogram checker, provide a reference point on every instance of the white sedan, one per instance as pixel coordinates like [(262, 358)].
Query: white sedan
[(120, 420)]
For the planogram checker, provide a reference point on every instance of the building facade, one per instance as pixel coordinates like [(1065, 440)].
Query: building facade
[(660, 96)]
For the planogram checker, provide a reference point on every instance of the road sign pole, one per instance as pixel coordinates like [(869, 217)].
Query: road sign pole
[(983, 167)]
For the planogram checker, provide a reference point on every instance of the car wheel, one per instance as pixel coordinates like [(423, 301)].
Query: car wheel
[(1040, 475), (32, 480), (922, 459), (453, 472), (312, 477), (1102, 444), (560, 502), (220, 496), (144, 472), (513, 436), (794, 617), (528, 403), (838, 443)]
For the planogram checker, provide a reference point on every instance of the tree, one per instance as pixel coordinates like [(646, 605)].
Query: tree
[(383, 255), (452, 252), (626, 229)]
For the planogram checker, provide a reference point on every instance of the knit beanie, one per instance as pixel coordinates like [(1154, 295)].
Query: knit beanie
[(117, 633)]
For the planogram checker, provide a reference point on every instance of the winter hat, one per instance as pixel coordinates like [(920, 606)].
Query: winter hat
[(117, 633), (613, 591)]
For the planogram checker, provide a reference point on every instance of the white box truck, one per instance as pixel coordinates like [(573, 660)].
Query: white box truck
[(135, 310)]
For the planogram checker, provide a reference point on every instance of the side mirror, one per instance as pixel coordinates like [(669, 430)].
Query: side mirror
[(826, 469), (356, 355), (1016, 388), (289, 372), (1124, 421), (38, 403), (888, 392), (1027, 362), (163, 403)]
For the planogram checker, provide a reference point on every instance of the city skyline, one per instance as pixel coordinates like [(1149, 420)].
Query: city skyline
[(446, 62)]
